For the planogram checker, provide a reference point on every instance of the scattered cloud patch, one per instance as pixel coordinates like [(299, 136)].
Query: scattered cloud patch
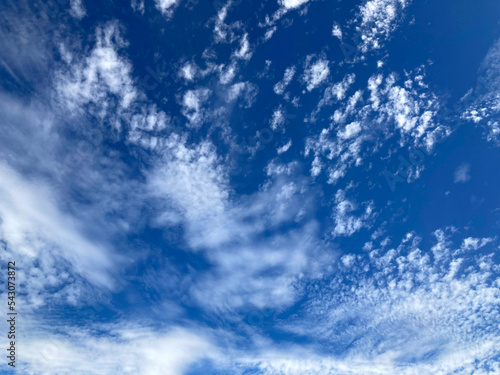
[(462, 174), (377, 20), (337, 31), (292, 4), (280, 87), (278, 118), (381, 304), (166, 7), (77, 9), (244, 52), (315, 72), (192, 105), (284, 148), (100, 81), (346, 223)]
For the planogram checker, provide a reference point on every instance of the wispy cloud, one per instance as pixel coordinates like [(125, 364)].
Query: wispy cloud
[(462, 174), (77, 9), (102, 80), (129, 349)]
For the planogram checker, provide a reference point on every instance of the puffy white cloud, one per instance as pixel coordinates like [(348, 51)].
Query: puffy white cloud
[(350, 131), (390, 109), (315, 72), (337, 31), (165, 7), (377, 20), (146, 126), (188, 71), (227, 74), (192, 105), (278, 118), (471, 243), (346, 222), (292, 4)]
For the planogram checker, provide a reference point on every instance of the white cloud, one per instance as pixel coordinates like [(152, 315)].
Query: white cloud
[(77, 9), (192, 183), (380, 311), (245, 90), (35, 230), (235, 91), (128, 349), (377, 20), (193, 102), (484, 102), (337, 31), (300, 361), (333, 93), (165, 7), (276, 169), (408, 112), (316, 167), (350, 131), (285, 147), (462, 174), (490, 67), (345, 151), (471, 243), (226, 33), (228, 74), (348, 260), (265, 274), (188, 71), (244, 52), (279, 88), (315, 73), (403, 108), (278, 118), (64, 241), (269, 33), (292, 4), (347, 223), (100, 78), (137, 5), (146, 126), (191, 179)]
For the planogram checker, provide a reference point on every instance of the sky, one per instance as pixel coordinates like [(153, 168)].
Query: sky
[(282, 187)]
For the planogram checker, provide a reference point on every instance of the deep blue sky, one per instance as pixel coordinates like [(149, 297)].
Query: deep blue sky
[(278, 187)]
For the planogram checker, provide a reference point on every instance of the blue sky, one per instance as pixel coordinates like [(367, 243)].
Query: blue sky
[(279, 187)]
